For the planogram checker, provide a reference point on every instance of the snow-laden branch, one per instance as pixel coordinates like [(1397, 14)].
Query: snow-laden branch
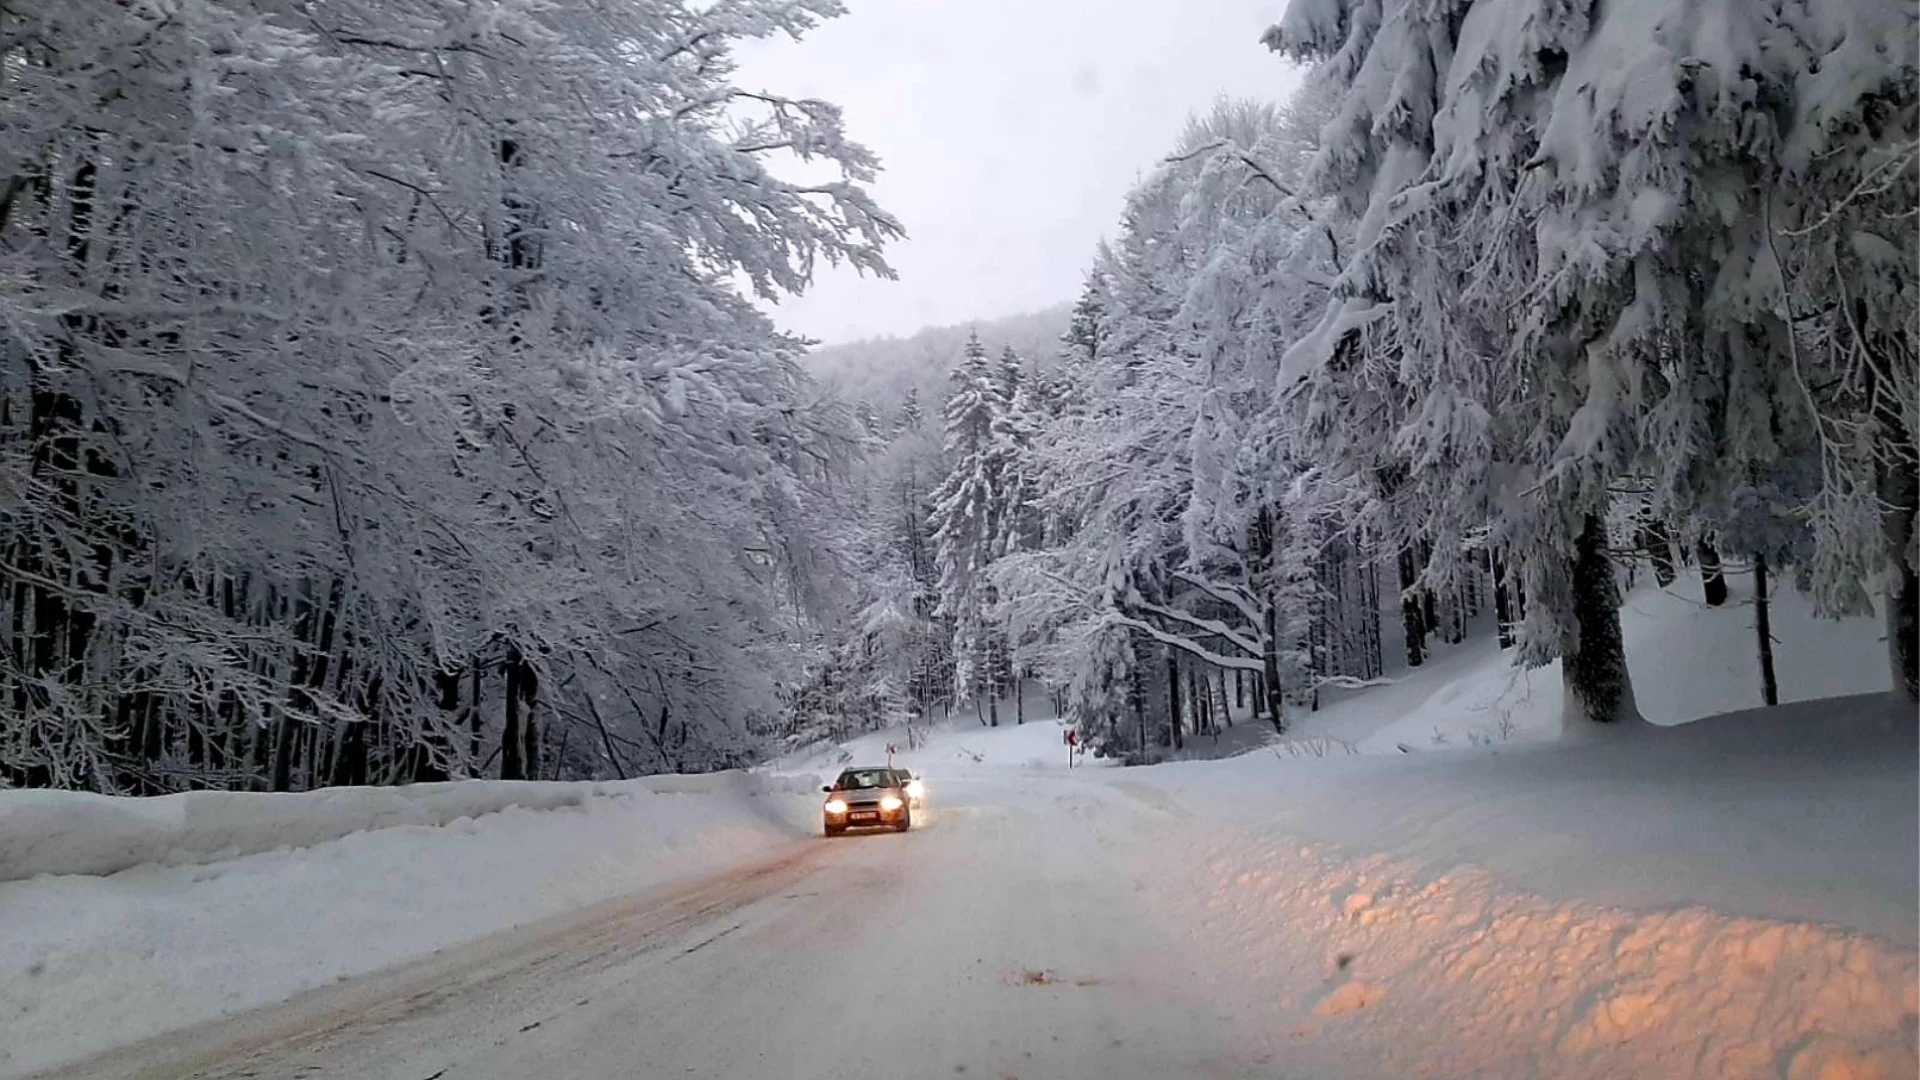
[(1187, 645)]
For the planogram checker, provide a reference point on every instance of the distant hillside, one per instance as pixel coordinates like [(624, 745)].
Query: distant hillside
[(879, 370)]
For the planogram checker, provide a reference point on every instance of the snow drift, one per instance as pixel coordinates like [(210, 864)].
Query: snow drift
[(1733, 897), (68, 832)]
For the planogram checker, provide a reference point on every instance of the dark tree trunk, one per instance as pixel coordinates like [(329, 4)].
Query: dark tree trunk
[(1226, 712), (1763, 632), (1370, 617), (1712, 582), (530, 690), (1903, 608), (1429, 611), (1504, 612), (285, 735), (1202, 704), (1239, 689), (512, 749), (1137, 697), (1173, 701), (1899, 482), (1593, 656), (476, 720), (1412, 610), (1019, 701), (1270, 668)]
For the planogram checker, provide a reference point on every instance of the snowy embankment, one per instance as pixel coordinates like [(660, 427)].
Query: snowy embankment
[(68, 832), (1734, 897), (316, 887)]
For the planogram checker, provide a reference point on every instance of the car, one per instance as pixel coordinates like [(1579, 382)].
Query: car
[(871, 798)]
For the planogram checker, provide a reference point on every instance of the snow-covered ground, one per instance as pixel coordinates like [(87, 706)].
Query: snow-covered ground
[(1734, 897), (92, 962), (1688, 661)]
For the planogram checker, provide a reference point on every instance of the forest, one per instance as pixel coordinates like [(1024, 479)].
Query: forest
[(383, 395), (383, 398), (1492, 316)]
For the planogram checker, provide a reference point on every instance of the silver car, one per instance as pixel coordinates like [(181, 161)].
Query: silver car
[(871, 798)]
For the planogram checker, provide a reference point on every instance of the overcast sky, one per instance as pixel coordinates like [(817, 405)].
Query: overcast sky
[(1010, 131)]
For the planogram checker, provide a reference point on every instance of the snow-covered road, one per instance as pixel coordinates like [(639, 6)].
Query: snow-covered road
[(1734, 913), (1006, 936)]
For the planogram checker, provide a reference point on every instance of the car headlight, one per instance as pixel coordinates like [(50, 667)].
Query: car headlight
[(835, 806), (914, 789), (891, 802)]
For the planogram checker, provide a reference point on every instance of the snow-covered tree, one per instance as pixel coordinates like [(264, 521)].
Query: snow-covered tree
[(374, 398), (967, 512), (1587, 250)]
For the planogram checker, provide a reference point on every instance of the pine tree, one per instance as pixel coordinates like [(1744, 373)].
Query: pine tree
[(967, 515)]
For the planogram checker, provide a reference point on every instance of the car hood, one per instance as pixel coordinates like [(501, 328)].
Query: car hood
[(867, 795)]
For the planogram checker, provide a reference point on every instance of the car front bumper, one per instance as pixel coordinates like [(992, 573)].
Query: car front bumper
[(864, 818)]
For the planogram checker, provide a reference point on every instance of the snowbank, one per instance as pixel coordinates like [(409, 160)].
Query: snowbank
[(64, 832), (1802, 812), (1377, 968), (93, 962), (1734, 897)]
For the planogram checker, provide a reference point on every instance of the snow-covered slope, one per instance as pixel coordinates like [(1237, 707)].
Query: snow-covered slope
[(1687, 661)]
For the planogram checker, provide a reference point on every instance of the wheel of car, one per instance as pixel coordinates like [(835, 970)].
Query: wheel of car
[(906, 821), (835, 830)]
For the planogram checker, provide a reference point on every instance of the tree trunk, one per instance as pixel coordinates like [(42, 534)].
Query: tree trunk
[(1370, 617), (289, 727), (1898, 478), (1173, 701), (1412, 611), (1270, 670), (1019, 701), (1239, 689), (1504, 613), (1592, 655), (476, 721), (512, 765), (1712, 582), (530, 690), (1763, 632), (1226, 711), (1137, 695)]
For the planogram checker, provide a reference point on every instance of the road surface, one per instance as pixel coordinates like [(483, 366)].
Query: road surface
[(1005, 937)]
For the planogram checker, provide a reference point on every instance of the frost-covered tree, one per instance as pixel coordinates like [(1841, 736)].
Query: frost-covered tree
[(967, 512), (1600, 241), (1190, 522), (375, 402)]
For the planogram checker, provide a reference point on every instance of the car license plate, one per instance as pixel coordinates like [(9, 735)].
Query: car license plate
[(863, 815)]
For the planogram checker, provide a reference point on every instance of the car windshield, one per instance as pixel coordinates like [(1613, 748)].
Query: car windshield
[(854, 779)]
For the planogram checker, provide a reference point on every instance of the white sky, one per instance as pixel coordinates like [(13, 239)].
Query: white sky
[(1010, 131)]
